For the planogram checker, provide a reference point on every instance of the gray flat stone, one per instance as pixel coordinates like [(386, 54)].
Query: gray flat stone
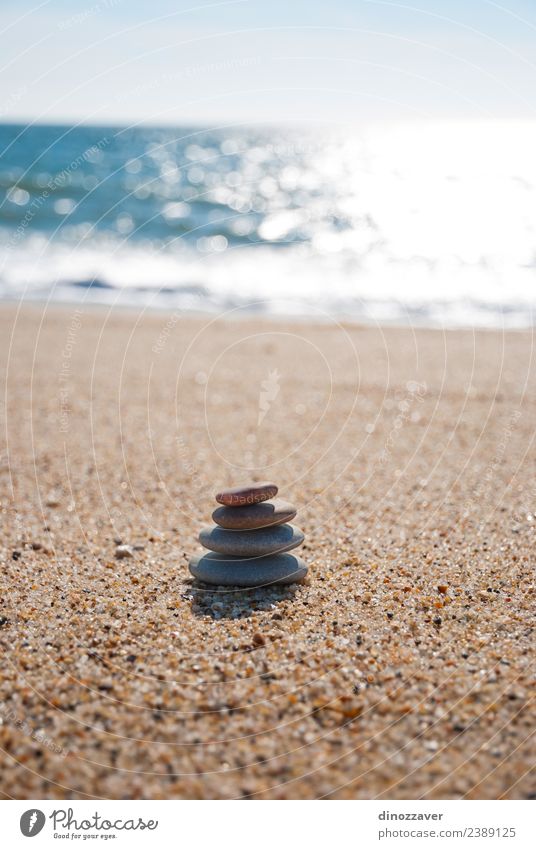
[(262, 515), (229, 571), (248, 493), (251, 543)]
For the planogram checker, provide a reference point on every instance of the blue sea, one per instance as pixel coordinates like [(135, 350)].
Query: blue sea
[(426, 223)]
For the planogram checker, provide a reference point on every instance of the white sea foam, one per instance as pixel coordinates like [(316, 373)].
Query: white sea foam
[(432, 223)]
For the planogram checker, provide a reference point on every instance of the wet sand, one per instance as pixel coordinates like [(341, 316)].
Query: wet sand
[(401, 668)]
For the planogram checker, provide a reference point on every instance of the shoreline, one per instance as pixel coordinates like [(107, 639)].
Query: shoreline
[(342, 320), (401, 669)]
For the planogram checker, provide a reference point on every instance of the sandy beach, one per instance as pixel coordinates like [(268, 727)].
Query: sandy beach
[(400, 669)]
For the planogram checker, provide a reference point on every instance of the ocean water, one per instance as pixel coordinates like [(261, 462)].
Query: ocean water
[(426, 223)]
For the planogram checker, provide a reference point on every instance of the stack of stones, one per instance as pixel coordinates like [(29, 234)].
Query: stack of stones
[(248, 545)]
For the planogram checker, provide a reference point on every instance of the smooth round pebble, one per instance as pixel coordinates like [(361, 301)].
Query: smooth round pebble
[(249, 493), (229, 571), (263, 515), (251, 543)]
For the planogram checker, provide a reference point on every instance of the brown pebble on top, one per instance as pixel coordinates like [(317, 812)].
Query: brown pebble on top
[(249, 493)]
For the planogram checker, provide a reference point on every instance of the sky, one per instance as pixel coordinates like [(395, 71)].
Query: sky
[(177, 62)]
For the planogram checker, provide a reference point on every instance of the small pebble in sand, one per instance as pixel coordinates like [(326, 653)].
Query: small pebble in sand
[(123, 551)]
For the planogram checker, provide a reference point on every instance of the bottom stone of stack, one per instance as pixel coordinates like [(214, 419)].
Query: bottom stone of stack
[(228, 571)]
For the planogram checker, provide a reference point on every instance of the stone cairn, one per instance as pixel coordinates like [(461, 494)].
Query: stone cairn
[(248, 545)]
